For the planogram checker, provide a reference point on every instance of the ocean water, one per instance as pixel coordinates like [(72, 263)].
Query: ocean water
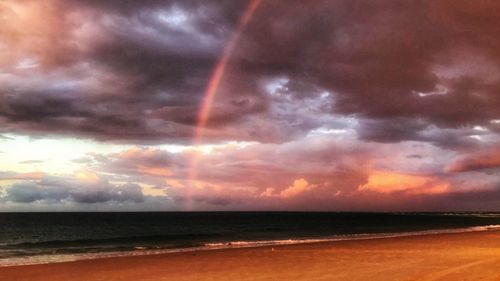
[(30, 238)]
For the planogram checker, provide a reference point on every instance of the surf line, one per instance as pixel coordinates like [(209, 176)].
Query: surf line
[(211, 91)]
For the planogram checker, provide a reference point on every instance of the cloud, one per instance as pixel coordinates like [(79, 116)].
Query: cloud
[(153, 59), (324, 171), (234, 172), (34, 161), (329, 101), (327, 165), (385, 61), (390, 182), (136, 72), (85, 190), (7, 175), (299, 186), (476, 162)]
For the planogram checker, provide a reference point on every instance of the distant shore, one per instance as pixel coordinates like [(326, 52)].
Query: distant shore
[(450, 256)]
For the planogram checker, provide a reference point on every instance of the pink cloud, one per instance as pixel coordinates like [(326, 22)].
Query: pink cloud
[(475, 162)]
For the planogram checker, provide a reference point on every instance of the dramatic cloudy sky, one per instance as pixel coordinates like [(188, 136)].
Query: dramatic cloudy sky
[(312, 105)]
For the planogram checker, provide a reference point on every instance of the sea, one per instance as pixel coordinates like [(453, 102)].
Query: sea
[(35, 238)]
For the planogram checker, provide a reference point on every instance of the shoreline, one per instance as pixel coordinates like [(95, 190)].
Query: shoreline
[(447, 256), (65, 258)]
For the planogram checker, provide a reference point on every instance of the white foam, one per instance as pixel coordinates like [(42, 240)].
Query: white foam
[(140, 251)]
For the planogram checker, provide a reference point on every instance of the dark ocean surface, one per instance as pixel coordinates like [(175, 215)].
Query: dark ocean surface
[(28, 238)]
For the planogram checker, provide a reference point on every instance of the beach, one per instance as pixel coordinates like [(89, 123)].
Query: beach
[(453, 256)]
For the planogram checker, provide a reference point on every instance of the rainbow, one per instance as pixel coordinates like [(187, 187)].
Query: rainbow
[(220, 67), (211, 90)]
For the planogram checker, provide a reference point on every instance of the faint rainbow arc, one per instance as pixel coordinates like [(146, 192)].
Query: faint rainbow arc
[(211, 89), (219, 69)]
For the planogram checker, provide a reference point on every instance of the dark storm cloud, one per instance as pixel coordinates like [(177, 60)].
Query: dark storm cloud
[(136, 70), (420, 62), (389, 130), (56, 189)]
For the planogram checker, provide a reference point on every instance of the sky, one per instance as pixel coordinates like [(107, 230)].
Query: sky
[(327, 105)]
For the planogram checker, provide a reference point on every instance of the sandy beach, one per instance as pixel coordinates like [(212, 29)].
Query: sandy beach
[(459, 256)]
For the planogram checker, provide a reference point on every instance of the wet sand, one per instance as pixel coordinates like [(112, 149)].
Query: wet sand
[(459, 256)]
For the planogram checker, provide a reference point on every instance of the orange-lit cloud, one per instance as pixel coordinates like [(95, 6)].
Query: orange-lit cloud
[(36, 33), (298, 187), (87, 176), (165, 172), (391, 182)]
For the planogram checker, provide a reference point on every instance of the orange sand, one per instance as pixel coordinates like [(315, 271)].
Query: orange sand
[(465, 256)]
